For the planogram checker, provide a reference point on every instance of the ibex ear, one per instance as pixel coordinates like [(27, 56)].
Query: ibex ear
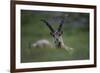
[(51, 34), (61, 32)]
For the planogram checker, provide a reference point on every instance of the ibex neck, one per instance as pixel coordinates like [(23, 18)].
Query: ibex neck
[(59, 43)]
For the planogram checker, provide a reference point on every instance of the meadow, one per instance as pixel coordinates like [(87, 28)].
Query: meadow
[(75, 35)]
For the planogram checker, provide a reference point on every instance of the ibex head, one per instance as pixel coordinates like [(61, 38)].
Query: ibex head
[(56, 33)]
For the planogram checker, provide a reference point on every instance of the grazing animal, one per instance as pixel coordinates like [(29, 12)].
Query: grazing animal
[(42, 44), (57, 36)]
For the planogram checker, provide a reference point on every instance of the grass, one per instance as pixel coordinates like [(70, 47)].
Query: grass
[(78, 41)]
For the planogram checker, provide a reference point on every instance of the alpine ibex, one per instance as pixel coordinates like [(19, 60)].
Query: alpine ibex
[(57, 36)]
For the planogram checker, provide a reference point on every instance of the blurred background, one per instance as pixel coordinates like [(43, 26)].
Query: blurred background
[(75, 35)]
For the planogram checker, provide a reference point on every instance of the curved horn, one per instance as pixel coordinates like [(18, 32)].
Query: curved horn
[(61, 24), (48, 25)]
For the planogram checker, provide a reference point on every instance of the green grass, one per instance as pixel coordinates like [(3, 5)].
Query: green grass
[(77, 41), (45, 54)]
